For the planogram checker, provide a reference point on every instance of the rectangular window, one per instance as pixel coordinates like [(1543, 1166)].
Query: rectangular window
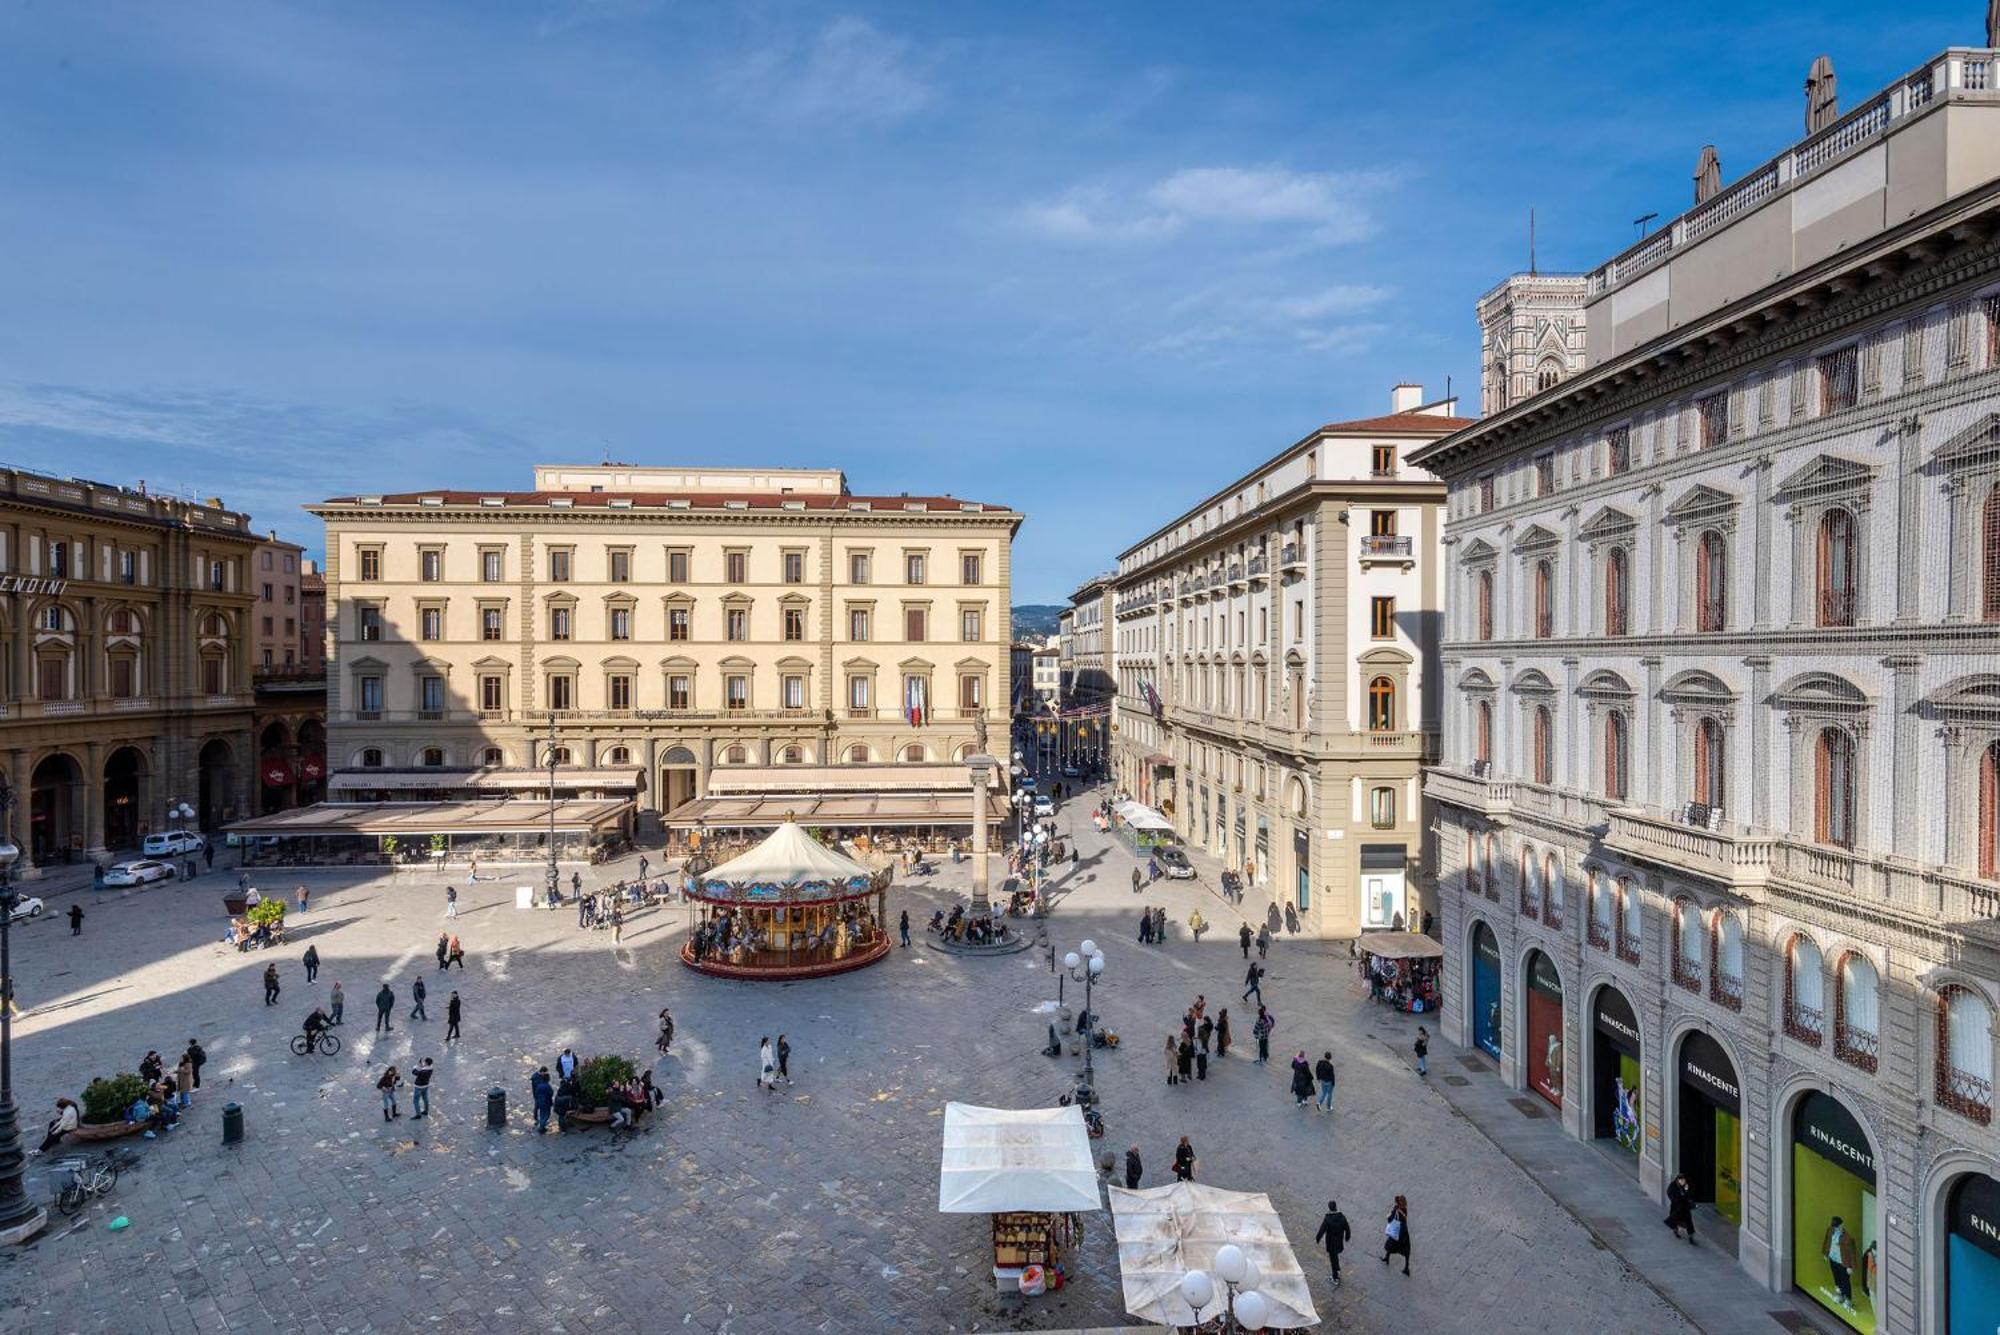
[(913, 568), (969, 691), (795, 567), (677, 623), (562, 693), (371, 564), (680, 691), (492, 623), (1838, 383), (736, 692), (857, 624), (492, 565), (1712, 415), (217, 575), (290, 595), (795, 624), (268, 594), (370, 626), (128, 568), (492, 694), (969, 568), (620, 691), (621, 623), (913, 624), (267, 560), (736, 567), (559, 564), (1382, 808), (857, 567), (371, 695), (969, 625), (794, 692), (430, 621), (860, 691), (1384, 461), (677, 566), (124, 678), (430, 567), (559, 623), (621, 567), (1545, 475), (1618, 450), (267, 658), (1298, 620), (1382, 618), (430, 697), (1381, 523), (267, 625), (736, 623)]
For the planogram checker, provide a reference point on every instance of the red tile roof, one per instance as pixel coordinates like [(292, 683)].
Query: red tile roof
[(1427, 423), (582, 500)]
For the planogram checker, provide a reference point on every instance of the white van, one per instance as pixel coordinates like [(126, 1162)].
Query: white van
[(173, 843)]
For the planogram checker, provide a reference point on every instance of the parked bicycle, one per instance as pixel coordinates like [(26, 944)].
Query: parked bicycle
[(325, 1041), (88, 1177)]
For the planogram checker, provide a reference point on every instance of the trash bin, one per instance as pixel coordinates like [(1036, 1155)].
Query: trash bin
[(496, 1106), (232, 1124)]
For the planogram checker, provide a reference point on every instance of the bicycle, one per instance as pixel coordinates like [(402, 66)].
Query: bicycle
[(326, 1042), (87, 1178)]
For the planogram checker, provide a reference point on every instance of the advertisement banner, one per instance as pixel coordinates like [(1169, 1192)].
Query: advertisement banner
[(277, 773), (1729, 1167), (1972, 1257), (1486, 990), (1834, 1253), (1545, 1029)]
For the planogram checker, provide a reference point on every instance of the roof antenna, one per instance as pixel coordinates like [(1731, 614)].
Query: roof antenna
[(1641, 221), (1531, 241)]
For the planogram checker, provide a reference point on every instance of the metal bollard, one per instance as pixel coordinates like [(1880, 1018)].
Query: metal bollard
[(232, 1124), (496, 1107)]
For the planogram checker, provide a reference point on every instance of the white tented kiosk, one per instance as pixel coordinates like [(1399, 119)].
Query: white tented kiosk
[(1030, 1170), (1164, 1232)]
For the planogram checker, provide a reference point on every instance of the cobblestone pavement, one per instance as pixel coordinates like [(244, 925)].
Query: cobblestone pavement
[(809, 1210)]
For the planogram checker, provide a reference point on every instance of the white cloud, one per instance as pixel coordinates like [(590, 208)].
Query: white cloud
[(849, 72), (1327, 208)]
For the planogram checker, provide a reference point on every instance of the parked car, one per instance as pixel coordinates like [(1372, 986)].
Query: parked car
[(1026, 783), (1072, 772), (26, 907), (137, 872), (1044, 805), (1174, 863), (172, 843)]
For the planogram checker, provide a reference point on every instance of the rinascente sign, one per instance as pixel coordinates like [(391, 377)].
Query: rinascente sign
[(31, 584)]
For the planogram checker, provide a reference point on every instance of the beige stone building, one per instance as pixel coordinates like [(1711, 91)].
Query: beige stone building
[(676, 621), (276, 569), (126, 678), (1275, 653)]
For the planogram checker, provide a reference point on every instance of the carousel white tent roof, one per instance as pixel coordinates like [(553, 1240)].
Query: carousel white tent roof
[(1164, 1232), (789, 856), (999, 1159)]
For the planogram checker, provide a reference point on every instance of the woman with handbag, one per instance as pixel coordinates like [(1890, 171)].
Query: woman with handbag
[(1396, 1234)]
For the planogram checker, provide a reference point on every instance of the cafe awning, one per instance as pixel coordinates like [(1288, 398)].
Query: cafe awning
[(1164, 1232), (1000, 1159), (1400, 946), (424, 818), (617, 779), (838, 809), (1142, 817)]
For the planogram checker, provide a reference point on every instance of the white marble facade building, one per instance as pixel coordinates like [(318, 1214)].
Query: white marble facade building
[(1720, 793)]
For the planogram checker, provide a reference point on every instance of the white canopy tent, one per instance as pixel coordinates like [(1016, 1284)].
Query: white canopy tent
[(1003, 1159), (790, 856), (1142, 817), (1164, 1232)]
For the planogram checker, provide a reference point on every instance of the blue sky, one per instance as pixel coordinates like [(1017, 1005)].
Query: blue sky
[(1088, 259)]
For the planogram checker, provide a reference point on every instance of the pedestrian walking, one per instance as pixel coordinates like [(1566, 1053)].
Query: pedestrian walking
[(196, 1058), (187, 869), (208, 856), (1302, 1079), (303, 897), (443, 949), (566, 1066), (1145, 927), (617, 926), (1134, 1170), (904, 926), (457, 954), (1201, 1063), (417, 994), (270, 985), (576, 884), (1184, 1161), (1159, 927), (1173, 1060), (1137, 880), (1261, 1030), (311, 961), (1243, 938), (1204, 1034), (242, 880), (1334, 1232), (337, 1004), (1423, 1046), (784, 1059), (385, 1001), (450, 906), (451, 1016), (75, 920), (1264, 941), (388, 1084), (1222, 1034), (1680, 1207), (420, 1088), (184, 1080), (767, 1065), (1324, 1073), (582, 913), (1396, 1234), (1253, 982), (1185, 1056), (545, 1097), (643, 864)]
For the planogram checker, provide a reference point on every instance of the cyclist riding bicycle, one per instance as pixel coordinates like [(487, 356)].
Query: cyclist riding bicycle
[(316, 1024)]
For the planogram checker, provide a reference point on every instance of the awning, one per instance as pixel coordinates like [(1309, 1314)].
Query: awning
[(424, 818), (623, 778), (998, 1159), (1164, 1232), (1158, 761), (840, 809), (1400, 946), (1142, 817)]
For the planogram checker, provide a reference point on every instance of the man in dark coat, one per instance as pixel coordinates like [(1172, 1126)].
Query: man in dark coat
[(1334, 1232), (1680, 1207), (1243, 938), (417, 994), (545, 1098), (451, 1018), (311, 962), (197, 1058), (1133, 1169), (270, 985), (385, 1001), (75, 920)]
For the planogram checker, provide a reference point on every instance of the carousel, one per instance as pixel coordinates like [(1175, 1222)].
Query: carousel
[(788, 908)]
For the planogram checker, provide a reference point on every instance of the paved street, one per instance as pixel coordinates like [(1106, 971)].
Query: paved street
[(737, 1211)]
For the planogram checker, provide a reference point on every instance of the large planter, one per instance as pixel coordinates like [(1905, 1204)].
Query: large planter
[(235, 905), (105, 1131)]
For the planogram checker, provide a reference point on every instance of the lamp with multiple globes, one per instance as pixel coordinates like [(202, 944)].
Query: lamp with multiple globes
[(1245, 1308), (20, 1218)]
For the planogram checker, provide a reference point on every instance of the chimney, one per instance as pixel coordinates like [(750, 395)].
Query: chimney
[(1406, 398)]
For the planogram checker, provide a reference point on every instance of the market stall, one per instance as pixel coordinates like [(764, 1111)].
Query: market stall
[(1030, 1170), (789, 908), (1402, 969), (1141, 828), (1166, 1232)]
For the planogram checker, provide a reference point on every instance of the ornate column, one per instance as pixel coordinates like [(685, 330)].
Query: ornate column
[(93, 799), (1760, 544), (1759, 711), (1651, 795), (1961, 570), (1909, 525), (1575, 774), (1652, 574), (1802, 581), (1905, 738), (1961, 815), (982, 767)]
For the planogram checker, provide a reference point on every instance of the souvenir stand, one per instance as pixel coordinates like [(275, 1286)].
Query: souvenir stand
[(1030, 1170), (1165, 1232), (1402, 969), (789, 908)]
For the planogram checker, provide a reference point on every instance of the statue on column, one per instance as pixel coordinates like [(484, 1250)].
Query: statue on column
[(979, 723)]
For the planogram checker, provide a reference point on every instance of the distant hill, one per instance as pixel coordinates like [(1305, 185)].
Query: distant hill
[(1037, 620)]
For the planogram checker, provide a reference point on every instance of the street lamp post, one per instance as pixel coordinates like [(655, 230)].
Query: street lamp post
[(555, 876), (182, 813), (1084, 965), (1243, 1307), (20, 1218)]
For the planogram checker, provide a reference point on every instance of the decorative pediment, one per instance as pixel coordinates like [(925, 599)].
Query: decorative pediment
[(561, 663), (1700, 502), (1697, 687), (1828, 475), (915, 665), (1533, 682), (795, 664), (1477, 552), (620, 664), (1536, 540), (1294, 658), (1978, 446), (1605, 684), (1974, 699), (859, 665), (370, 664), (1386, 655), (1475, 679), (1608, 523), (1821, 693), (678, 663), (492, 663)]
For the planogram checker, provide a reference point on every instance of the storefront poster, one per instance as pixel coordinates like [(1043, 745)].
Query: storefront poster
[(1619, 1111), (1627, 1114), (1728, 1167), (1486, 990), (1545, 1029), (1711, 1099), (1972, 1258), (1834, 1250)]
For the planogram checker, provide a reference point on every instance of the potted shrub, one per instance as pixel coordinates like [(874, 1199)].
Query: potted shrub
[(597, 1075), (267, 913), (105, 1100)]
